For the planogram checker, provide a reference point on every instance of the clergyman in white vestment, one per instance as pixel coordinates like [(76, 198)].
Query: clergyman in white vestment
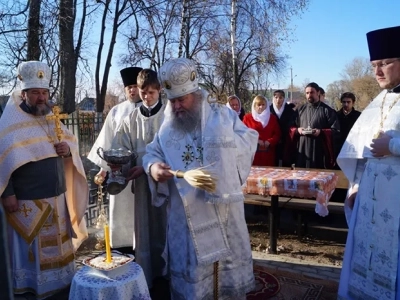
[(121, 208), (43, 188), (370, 158), (135, 132), (203, 228)]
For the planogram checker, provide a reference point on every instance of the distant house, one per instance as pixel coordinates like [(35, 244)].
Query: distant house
[(87, 104), (3, 102)]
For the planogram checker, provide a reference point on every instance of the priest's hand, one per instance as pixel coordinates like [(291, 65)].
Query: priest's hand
[(135, 172), (160, 172), (62, 149), (300, 130), (10, 203), (316, 132), (380, 146), (352, 196), (100, 177)]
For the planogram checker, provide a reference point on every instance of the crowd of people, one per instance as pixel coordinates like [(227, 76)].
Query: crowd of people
[(307, 136), (188, 235)]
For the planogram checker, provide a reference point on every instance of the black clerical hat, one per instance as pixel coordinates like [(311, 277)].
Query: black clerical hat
[(383, 43), (129, 75)]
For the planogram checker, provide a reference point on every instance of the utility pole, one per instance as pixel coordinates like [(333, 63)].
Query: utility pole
[(291, 85)]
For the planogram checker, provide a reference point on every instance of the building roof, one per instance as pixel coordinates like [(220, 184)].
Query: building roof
[(88, 104)]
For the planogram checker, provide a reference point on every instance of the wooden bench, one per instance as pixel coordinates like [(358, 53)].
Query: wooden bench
[(301, 204)]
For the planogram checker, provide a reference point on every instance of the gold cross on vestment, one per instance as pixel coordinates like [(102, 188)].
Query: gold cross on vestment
[(57, 117), (25, 210)]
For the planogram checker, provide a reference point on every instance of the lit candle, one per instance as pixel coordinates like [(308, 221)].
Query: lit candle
[(107, 238)]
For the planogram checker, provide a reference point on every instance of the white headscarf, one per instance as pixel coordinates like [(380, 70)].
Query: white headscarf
[(229, 106), (277, 110), (263, 118)]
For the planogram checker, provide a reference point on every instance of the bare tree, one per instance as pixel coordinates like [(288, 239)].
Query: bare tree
[(174, 28), (69, 54), (123, 11), (184, 27), (153, 43), (247, 49), (34, 30), (358, 78), (37, 30), (357, 68), (233, 42)]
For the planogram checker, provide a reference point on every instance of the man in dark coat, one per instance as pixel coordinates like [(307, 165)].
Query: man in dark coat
[(347, 115), (318, 131)]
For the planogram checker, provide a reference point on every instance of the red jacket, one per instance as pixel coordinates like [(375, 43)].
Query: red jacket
[(270, 133)]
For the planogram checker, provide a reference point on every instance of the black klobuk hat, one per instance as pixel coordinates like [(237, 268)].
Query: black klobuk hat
[(384, 43), (129, 75)]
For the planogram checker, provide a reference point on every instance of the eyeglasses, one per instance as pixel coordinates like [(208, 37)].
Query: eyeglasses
[(383, 65)]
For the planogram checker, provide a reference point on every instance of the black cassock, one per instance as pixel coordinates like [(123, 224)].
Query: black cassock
[(346, 123), (314, 152), (286, 121)]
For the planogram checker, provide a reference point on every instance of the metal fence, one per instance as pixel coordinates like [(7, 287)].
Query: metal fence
[(86, 127)]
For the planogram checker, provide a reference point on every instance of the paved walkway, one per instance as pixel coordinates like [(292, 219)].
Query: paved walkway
[(295, 265), (271, 261)]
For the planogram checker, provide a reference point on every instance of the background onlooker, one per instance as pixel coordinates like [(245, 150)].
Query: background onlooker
[(268, 129), (286, 117), (235, 104), (347, 115), (317, 132)]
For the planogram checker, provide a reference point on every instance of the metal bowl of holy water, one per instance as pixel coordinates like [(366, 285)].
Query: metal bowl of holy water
[(116, 156)]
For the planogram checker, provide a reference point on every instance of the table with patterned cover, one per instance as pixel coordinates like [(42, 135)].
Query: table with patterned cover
[(275, 182), (88, 284)]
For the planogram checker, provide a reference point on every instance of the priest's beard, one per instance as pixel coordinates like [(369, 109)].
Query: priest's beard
[(39, 109), (189, 119), (134, 99)]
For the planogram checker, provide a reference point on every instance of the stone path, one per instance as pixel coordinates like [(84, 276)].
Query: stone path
[(271, 261), (295, 265)]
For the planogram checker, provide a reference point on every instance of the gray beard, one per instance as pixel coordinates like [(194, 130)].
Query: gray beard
[(186, 123), (40, 111), (189, 121)]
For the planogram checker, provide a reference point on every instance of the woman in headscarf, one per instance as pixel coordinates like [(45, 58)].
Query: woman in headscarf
[(267, 126), (286, 117), (235, 104)]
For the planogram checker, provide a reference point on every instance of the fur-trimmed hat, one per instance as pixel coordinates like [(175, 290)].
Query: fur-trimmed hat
[(34, 75), (129, 75), (383, 43), (179, 77)]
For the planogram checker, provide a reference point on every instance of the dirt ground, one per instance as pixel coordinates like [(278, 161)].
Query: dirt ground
[(322, 243), (307, 248)]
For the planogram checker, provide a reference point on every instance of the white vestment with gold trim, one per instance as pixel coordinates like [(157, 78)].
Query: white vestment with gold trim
[(371, 262), (43, 233)]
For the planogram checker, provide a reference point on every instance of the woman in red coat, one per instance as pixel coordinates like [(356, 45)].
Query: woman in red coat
[(267, 126)]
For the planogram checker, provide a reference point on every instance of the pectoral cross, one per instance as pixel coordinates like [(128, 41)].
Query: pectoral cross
[(57, 117), (25, 210)]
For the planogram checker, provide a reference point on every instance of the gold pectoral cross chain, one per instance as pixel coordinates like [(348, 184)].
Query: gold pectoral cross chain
[(383, 118)]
